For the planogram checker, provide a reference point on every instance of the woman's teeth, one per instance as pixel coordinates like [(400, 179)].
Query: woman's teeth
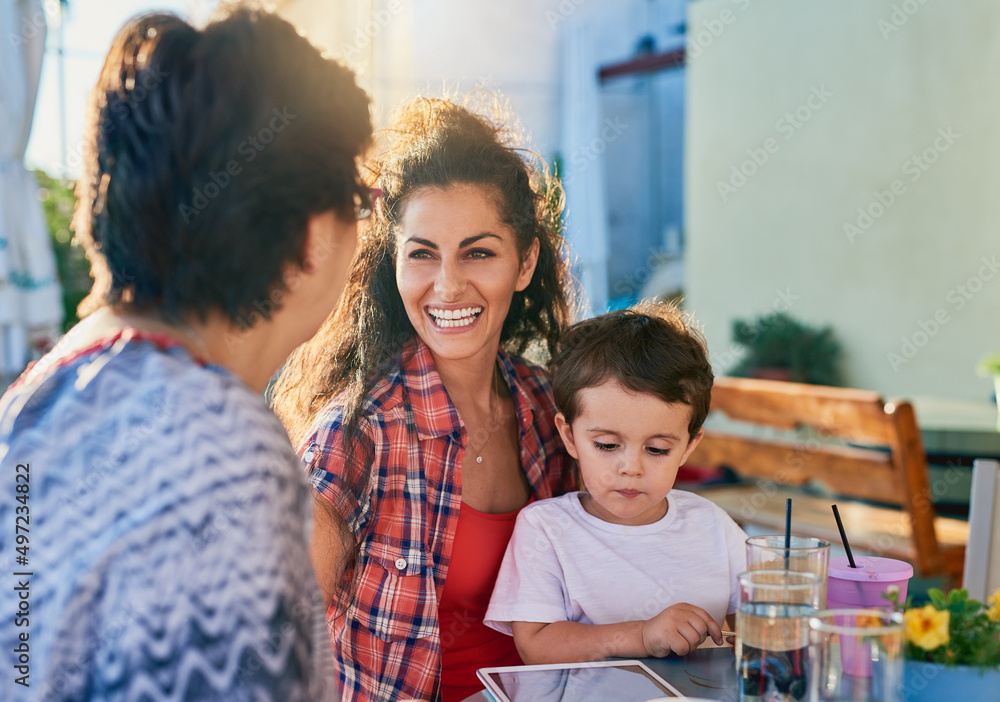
[(455, 318)]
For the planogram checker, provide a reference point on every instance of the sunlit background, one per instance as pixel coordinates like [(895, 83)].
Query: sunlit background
[(829, 163)]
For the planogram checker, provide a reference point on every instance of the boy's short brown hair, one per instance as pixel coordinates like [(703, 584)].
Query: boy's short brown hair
[(651, 348)]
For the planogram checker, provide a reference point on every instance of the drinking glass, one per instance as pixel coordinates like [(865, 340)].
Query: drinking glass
[(856, 654), (772, 634), (803, 553)]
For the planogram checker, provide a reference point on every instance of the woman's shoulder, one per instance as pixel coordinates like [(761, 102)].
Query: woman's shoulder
[(385, 398), (130, 379)]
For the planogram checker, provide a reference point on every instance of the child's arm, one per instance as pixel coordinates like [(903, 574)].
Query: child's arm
[(678, 629)]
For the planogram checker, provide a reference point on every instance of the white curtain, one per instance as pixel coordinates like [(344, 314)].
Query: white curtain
[(30, 297), (583, 164)]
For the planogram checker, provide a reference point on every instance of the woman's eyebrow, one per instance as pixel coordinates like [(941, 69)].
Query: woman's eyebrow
[(423, 242), (468, 241)]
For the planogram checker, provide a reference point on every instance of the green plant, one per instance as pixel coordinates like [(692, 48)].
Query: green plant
[(58, 202), (779, 341), (952, 629), (990, 365)]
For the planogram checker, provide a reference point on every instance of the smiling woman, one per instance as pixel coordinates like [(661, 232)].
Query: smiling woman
[(458, 269), (423, 433)]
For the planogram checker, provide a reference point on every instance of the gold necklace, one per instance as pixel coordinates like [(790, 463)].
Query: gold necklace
[(493, 424)]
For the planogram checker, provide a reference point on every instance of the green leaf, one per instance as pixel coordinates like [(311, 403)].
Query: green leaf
[(937, 598)]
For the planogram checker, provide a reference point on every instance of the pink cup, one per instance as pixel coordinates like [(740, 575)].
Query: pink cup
[(863, 587), (850, 588)]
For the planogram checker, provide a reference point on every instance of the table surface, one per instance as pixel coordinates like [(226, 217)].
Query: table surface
[(707, 672)]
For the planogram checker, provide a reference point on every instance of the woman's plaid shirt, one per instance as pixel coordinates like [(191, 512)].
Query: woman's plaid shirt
[(406, 505)]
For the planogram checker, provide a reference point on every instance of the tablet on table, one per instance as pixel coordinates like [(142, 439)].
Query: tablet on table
[(597, 681)]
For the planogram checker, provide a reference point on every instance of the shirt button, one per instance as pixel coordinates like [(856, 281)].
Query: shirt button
[(401, 563), (308, 456)]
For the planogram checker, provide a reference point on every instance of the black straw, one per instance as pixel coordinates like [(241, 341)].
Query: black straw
[(843, 536), (788, 528)]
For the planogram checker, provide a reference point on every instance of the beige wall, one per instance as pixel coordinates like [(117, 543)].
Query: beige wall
[(402, 48), (876, 84)]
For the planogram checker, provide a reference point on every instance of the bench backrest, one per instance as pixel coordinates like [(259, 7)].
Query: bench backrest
[(891, 470)]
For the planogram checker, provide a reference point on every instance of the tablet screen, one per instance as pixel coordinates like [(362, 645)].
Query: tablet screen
[(623, 682)]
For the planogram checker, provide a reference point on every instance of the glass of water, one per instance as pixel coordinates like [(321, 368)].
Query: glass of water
[(856, 654), (772, 634), (803, 553)]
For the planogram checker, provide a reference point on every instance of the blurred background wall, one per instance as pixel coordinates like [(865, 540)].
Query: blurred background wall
[(842, 164)]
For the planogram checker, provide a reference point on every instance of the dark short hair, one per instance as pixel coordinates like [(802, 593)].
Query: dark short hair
[(650, 348), (206, 153)]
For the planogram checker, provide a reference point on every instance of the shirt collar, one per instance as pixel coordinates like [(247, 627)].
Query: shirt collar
[(434, 413), (524, 404)]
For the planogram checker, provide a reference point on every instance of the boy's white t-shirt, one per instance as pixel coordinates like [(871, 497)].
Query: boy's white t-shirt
[(563, 564)]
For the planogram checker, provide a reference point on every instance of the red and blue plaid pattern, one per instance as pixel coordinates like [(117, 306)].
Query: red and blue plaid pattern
[(388, 640)]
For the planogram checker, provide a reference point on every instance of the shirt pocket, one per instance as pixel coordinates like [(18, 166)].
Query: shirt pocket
[(396, 597)]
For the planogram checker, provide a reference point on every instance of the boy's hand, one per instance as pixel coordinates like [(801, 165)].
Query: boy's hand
[(679, 629)]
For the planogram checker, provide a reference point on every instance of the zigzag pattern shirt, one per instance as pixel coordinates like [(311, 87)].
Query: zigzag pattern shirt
[(168, 535)]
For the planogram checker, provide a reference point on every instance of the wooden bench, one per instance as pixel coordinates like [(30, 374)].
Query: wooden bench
[(847, 443)]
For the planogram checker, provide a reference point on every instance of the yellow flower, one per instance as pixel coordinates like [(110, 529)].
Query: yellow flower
[(994, 611), (927, 627)]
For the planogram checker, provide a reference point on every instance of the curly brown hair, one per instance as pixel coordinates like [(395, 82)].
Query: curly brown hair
[(433, 143)]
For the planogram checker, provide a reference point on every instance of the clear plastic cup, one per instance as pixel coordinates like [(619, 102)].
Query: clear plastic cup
[(772, 633), (855, 654), (804, 554)]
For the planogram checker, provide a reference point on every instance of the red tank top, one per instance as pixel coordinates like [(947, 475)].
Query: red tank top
[(467, 643)]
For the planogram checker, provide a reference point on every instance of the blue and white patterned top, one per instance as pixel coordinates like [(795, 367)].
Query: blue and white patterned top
[(168, 545)]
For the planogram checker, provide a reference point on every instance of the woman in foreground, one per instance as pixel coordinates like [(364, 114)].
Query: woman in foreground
[(168, 552)]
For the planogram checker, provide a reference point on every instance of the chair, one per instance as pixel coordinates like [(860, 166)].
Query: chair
[(879, 459), (982, 557)]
